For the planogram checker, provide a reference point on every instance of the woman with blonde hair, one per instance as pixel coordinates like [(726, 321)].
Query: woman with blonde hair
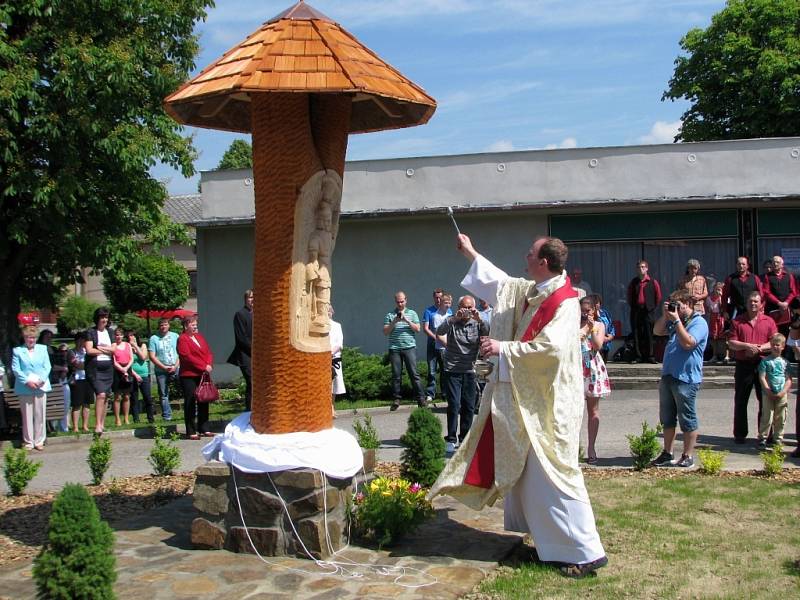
[(31, 367)]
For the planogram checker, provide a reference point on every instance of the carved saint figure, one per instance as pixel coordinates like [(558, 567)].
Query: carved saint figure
[(318, 269)]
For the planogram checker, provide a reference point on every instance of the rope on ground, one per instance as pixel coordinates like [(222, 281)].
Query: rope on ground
[(342, 567)]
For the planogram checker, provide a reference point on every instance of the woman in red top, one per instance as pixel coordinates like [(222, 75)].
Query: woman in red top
[(195, 358)]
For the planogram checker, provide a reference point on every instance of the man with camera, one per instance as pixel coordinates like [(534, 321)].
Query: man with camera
[(463, 332), (400, 325), (681, 374)]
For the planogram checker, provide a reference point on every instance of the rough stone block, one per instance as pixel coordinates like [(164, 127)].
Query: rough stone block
[(300, 479), (314, 503), (210, 498), (260, 508), (268, 541), (213, 468), (312, 533), (207, 535)]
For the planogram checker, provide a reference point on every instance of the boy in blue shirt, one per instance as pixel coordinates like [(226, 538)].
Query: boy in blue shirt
[(775, 383)]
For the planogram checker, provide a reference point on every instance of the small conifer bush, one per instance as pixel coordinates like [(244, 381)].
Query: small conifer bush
[(77, 560), (165, 456), (366, 434), (423, 455), (19, 470), (645, 447), (711, 461), (99, 458), (773, 460)]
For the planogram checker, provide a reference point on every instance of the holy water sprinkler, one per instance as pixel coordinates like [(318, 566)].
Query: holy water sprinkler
[(453, 219)]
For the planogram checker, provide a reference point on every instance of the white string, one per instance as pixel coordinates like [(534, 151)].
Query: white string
[(343, 567)]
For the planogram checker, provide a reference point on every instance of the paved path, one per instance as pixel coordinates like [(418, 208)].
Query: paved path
[(64, 458), (444, 559)]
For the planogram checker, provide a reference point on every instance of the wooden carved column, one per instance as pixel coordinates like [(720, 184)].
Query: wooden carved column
[(299, 145)]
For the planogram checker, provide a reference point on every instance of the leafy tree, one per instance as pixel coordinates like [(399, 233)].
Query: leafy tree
[(239, 155), (742, 73), (150, 282), (76, 312), (81, 124)]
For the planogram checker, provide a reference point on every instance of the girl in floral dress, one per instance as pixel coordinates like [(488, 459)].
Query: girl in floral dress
[(596, 384)]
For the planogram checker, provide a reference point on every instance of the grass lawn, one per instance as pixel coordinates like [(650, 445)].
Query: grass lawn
[(679, 535)]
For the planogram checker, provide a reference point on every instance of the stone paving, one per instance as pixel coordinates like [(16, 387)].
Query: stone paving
[(444, 559)]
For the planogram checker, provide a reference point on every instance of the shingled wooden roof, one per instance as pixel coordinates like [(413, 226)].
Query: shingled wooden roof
[(300, 50)]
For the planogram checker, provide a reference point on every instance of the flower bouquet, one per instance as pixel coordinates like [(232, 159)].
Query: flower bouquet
[(389, 508)]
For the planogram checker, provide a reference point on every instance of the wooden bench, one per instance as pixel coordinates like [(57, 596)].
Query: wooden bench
[(55, 404)]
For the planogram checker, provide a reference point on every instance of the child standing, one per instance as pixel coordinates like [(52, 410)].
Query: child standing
[(716, 324), (776, 383)]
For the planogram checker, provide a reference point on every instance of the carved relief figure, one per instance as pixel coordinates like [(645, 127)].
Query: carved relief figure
[(318, 269), (316, 226)]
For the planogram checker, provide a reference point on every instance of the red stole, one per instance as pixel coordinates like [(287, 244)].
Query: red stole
[(480, 472)]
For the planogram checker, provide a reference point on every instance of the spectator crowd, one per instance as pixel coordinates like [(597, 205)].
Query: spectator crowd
[(749, 320)]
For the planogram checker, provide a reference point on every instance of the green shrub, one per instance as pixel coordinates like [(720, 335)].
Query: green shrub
[(77, 560), (19, 470), (423, 454), (75, 313), (773, 460), (645, 447), (369, 376), (389, 508), (99, 458), (165, 456), (711, 461), (366, 434)]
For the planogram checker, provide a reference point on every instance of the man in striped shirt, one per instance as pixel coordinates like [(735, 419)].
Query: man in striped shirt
[(401, 325)]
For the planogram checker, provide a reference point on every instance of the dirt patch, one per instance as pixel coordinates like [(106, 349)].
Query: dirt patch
[(23, 519)]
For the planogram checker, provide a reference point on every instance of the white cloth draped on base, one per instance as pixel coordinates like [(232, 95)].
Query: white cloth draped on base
[(332, 451)]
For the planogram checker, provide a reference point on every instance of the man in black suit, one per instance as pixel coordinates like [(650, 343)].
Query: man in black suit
[(243, 332)]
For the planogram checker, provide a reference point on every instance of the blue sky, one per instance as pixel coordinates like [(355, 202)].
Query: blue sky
[(507, 74)]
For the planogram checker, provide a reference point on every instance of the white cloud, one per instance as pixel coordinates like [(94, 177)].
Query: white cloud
[(568, 142), (500, 146), (485, 93), (661, 133)]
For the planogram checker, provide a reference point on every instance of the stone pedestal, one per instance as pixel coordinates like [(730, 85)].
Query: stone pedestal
[(310, 504)]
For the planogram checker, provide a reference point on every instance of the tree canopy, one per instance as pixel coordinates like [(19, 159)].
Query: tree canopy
[(150, 282), (81, 124), (741, 74), (239, 155)]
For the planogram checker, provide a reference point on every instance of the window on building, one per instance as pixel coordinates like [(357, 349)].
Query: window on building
[(192, 284)]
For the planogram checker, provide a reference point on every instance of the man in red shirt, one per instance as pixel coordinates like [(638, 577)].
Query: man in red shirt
[(780, 288), (749, 339), (738, 287), (644, 296)]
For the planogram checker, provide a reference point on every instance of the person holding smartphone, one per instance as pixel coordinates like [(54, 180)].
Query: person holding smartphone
[(400, 326), (463, 332)]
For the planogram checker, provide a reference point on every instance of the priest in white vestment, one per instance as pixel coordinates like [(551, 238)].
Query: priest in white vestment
[(523, 445)]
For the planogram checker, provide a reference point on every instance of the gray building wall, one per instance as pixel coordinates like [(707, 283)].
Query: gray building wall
[(394, 234)]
